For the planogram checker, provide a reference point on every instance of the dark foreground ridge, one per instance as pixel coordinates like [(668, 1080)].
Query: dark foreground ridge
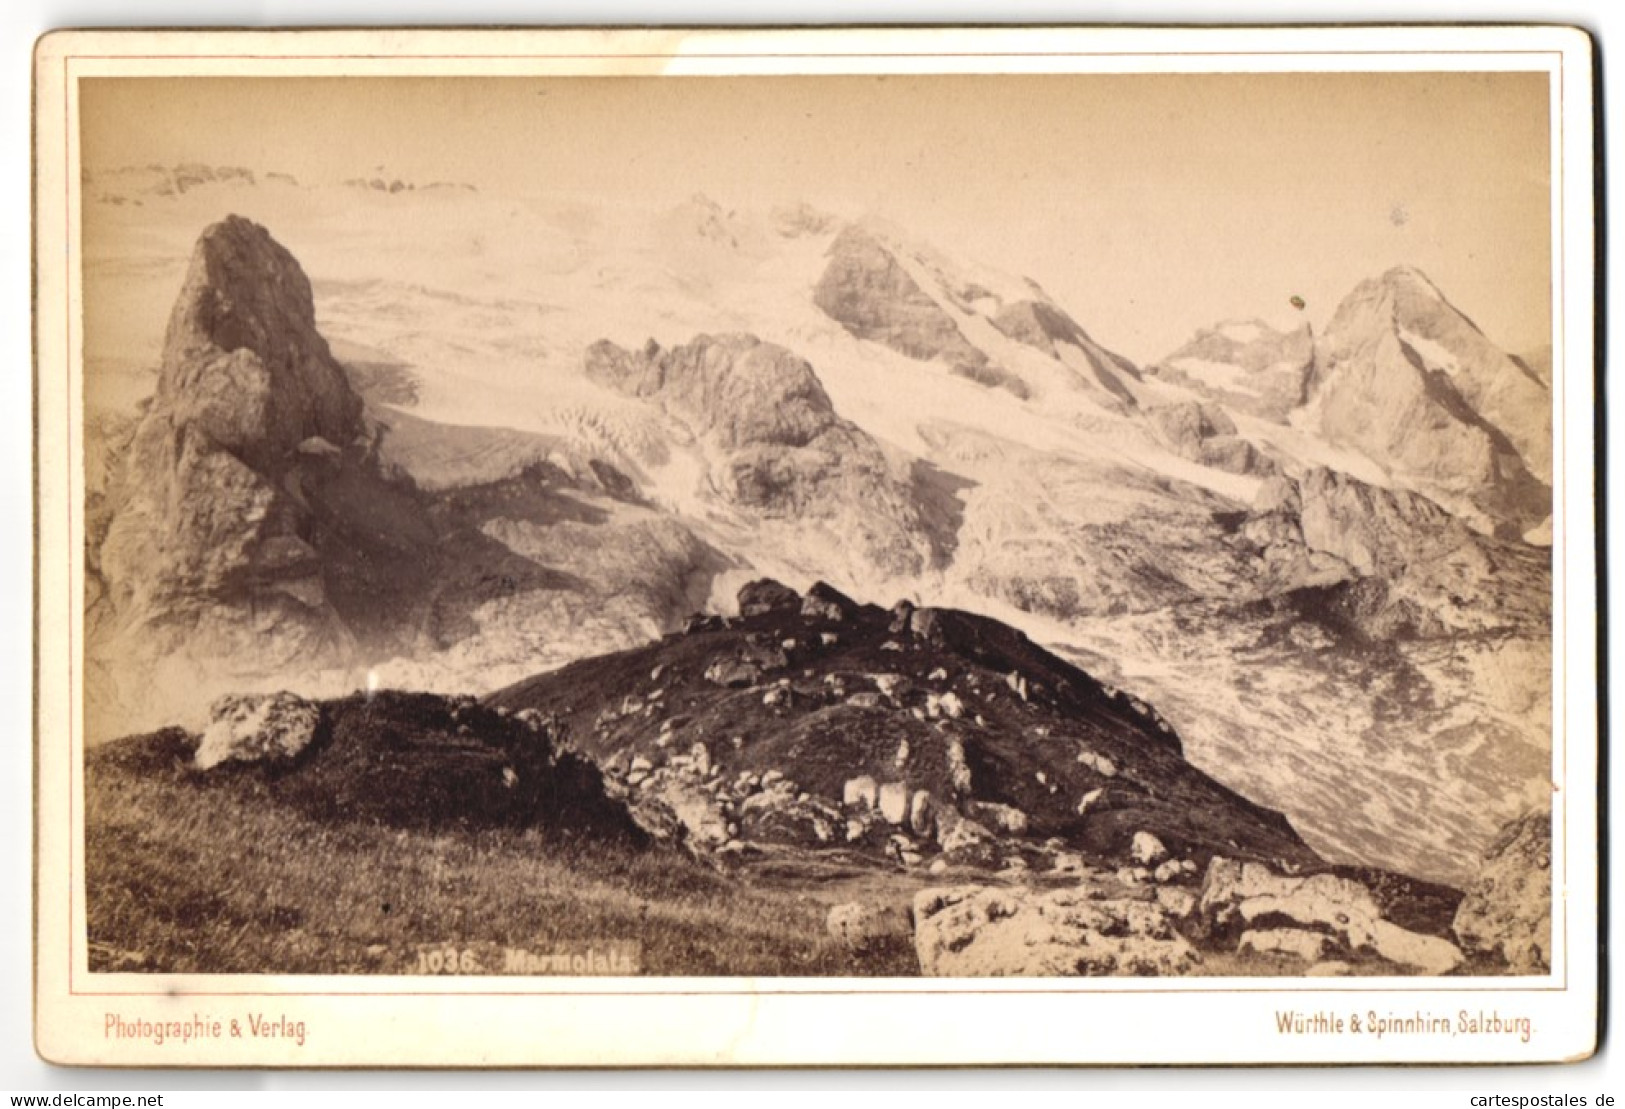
[(814, 786), (911, 735)]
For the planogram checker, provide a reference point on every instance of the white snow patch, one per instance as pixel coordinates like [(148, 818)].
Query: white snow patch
[(1225, 376), (1435, 355)]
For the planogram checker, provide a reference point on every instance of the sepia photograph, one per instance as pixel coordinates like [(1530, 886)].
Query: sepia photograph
[(1052, 532)]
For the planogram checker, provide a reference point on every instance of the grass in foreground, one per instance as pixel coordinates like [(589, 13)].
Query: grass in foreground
[(193, 873)]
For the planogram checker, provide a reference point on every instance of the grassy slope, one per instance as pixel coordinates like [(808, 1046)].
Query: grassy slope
[(194, 874), (188, 874)]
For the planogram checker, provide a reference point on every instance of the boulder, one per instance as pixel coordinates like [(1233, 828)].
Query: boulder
[(1100, 764), (894, 799), (921, 814), (1507, 911), (926, 624), (1087, 801), (862, 792), (764, 595), (733, 674), (973, 931), (1176, 902), (826, 602), (1146, 849), (965, 842), (1237, 893), (1299, 943), (946, 704), (1006, 818), (859, 927), (780, 816), (269, 728)]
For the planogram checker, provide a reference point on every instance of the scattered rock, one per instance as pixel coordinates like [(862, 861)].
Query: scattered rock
[(965, 842), (1296, 942), (859, 927), (825, 602), (1177, 902), (861, 793), (1088, 799), (921, 814), (894, 798), (1146, 849), (1100, 764), (732, 674), (1508, 910), (924, 623), (967, 931), (273, 727), (1245, 892), (1006, 818), (760, 597)]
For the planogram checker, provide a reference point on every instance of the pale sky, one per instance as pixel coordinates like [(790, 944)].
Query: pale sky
[(1147, 205)]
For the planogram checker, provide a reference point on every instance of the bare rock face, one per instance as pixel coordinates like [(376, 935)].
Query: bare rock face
[(243, 362), (270, 728), (1205, 434), (1299, 943), (976, 931), (1246, 365), (1407, 379), (861, 927), (774, 445), (868, 291), (1508, 911), (206, 561), (1045, 327), (1376, 531), (1253, 897), (1411, 567)]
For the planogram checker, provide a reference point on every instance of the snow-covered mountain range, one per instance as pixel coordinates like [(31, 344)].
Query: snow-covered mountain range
[(431, 437)]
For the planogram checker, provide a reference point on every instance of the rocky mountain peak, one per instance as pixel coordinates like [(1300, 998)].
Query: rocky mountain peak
[(868, 290), (243, 362), (1410, 381)]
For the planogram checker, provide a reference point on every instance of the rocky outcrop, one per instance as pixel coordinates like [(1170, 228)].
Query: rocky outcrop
[(1391, 563), (243, 363), (207, 560), (1251, 898), (860, 927), (866, 290), (1507, 912), (765, 595), (1407, 379), (1246, 365), (773, 444), (1206, 434), (972, 931), (271, 728)]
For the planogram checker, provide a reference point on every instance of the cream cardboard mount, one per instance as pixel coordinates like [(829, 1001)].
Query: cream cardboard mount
[(624, 548)]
